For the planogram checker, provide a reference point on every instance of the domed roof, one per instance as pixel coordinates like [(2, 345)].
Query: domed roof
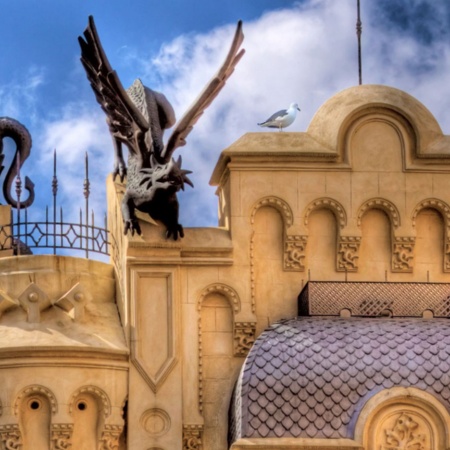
[(309, 377)]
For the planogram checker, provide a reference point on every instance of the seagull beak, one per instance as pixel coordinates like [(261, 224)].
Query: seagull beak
[(298, 108)]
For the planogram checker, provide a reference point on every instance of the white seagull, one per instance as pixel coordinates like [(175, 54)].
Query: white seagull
[(282, 119)]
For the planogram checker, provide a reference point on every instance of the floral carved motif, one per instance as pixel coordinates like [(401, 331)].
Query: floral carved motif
[(10, 437), (244, 337), (447, 257), (61, 436), (347, 256), (403, 254), (110, 437), (406, 434), (294, 253), (192, 437)]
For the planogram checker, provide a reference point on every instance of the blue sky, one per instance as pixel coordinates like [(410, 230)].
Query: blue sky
[(297, 51)]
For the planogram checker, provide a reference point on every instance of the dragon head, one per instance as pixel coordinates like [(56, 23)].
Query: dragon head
[(169, 176)]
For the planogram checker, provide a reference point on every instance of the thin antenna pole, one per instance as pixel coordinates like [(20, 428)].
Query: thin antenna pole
[(55, 193), (87, 191), (358, 33)]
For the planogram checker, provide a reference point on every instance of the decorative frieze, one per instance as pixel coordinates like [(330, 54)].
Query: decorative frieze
[(403, 254), (61, 436), (11, 437), (192, 437), (348, 253), (406, 434), (110, 437), (294, 253), (244, 337)]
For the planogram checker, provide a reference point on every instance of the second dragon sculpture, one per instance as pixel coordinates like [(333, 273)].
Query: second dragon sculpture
[(137, 118)]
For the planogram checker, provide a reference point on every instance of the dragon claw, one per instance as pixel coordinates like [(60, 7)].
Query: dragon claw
[(175, 232), (120, 170), (131, 225)]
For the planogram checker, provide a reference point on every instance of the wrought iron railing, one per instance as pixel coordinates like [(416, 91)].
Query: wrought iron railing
[(54, 232)]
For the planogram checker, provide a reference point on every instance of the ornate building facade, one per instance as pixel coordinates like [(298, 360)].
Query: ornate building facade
[(314, 316)]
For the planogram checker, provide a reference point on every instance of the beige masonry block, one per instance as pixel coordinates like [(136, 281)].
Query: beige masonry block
[(224, 319), (216, 367), (217, 343), (312, 182), (441, 185), (338, 186)]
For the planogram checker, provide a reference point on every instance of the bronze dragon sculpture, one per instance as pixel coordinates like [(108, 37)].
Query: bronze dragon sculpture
[(137, 118)]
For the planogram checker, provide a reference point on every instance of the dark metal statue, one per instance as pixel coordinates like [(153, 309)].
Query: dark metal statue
[(10, 128), (137, 118)]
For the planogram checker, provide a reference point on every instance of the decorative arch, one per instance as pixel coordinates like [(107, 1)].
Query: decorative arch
[(393, 411), (95, 392), (280, 205), (35, 390), (433, 203), (327, 203), (229, 293), (384, 205)]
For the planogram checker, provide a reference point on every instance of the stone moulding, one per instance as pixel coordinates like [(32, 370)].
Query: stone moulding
[(35, 390), (385, 205), (95, 392), (327, 203), (228, 292), (192, 437), (280, 205), (163, 293), (110, 437)]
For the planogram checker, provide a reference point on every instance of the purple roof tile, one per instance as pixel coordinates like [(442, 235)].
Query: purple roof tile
[(309, 376)]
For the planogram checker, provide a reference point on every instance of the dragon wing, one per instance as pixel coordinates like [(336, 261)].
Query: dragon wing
[(212, 89), (126, 123)]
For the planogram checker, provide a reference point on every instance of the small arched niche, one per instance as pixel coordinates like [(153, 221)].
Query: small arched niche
[(88, 410), (35, 410)]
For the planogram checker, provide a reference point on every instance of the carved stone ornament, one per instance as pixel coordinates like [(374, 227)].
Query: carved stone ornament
[(110, 437), (61, 436), (447, 257), (294, 253), (347, 255), (403, 254), (10, 437), (192, 437), (137, 118), (244, 337), (406, 434)]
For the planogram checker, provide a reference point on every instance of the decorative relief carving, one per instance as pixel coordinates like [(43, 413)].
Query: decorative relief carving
[(447, 255), (406, 434), (385, 205), (200, 366), (348, 253), (294, 253), (226, 291), (75, 301), (33, 301), (156, 422), (36, 390), (10, 437), (110, 437), (244, 337), (192, 437), (280, 205), (61, 436), (328, 203), (96, 392), (403, 254)]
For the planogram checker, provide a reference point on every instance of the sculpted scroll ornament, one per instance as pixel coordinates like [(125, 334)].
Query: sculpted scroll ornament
[(348, 253), (61, 436), (244, 337), (406, 434), (110, 437), (294, 253), (403, 254), (192, 437), (10, 437)]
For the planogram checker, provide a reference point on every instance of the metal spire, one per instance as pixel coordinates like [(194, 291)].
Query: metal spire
[(358, 33)]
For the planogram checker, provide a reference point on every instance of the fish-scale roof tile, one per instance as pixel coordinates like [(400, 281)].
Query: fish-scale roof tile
[(306, 377)]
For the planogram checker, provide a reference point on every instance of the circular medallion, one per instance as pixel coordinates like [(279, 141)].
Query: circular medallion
[(155, 422)]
